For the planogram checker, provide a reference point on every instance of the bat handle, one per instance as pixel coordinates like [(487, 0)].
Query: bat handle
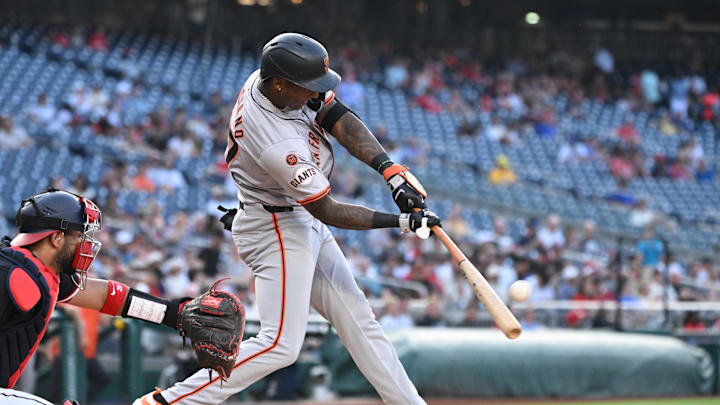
[(455, 251)]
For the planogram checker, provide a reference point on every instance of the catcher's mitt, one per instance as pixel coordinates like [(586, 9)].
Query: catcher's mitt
[(214, 322)]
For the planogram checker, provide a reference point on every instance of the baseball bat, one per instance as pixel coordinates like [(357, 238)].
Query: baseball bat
[(499, 312)]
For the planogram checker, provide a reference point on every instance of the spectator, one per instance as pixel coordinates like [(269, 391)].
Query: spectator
[(458, 105), (470, 317), (142, 180), (199, 127), (423, 273), (621, 165), (81, 187), (622, 195), (711, 104), (396, 315), (98, 41), (396, 74), (496, 130), (79, 100), (551, 236), (650, 83), (498, 235), (588, 242), (210, 256), (574, 151), (650, 249), (667, 127), (433, 314), (502, 174), (60, 38), (660, 168), (183, 145), (678, 170), (98, 100), (628, 133), (704, 174), (455, 225), (127, 66), (64, 118), (176, 278), (641, 216), (529, 321), (166, 175), (545, 123), (42, 112), (692, 322), (117, 177), (429, 103), (13, 136)]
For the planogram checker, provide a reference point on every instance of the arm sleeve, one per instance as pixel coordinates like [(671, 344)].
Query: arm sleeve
[(68, 287), (288, 163)]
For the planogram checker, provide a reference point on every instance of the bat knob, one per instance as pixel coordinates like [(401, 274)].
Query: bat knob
[(424, 231)]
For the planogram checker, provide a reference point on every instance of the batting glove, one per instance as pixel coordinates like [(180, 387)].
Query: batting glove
[(406, 190), (419, 222)]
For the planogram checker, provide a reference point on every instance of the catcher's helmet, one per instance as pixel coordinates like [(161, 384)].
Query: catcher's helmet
[(55, 210), (300, 60)]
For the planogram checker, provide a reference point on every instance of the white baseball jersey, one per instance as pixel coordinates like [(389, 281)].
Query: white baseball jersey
[(277, 157), (283, 158)]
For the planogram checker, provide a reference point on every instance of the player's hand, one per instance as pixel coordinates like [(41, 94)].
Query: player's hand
[(406, 190), (419, 222)]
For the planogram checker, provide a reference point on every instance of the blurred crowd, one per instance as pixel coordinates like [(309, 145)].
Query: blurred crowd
[(181, 254), (519, 94)]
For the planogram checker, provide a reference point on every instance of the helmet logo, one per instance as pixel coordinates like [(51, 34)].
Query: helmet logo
[(326, 64)]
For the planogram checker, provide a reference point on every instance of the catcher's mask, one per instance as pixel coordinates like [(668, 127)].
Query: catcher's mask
[(56, 210)]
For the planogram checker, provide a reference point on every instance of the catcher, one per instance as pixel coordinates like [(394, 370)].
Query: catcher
[(47, 263)]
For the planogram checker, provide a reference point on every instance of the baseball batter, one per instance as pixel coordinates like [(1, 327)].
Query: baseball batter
[(280, 158)]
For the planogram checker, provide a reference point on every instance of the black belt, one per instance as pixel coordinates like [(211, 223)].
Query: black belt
[(268, 208)]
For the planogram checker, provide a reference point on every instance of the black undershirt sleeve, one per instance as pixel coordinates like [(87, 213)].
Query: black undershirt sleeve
[(385, 220)]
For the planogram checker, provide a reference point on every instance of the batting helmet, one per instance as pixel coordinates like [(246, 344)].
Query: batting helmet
[(56, 210), (300, 60)]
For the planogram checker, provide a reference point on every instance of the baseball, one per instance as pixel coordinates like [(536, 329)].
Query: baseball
[(520, 290)]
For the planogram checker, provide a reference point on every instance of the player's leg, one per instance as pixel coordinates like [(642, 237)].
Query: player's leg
[(282, 257), (336, 296), (13, 397)]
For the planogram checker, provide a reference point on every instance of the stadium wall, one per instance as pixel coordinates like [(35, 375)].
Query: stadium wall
[(476, 363)]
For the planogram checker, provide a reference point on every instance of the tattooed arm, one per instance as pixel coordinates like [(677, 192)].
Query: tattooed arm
[(349, 216), (349, 130), (354, 136)]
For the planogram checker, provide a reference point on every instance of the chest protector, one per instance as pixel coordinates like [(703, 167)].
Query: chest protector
[(23, 324)]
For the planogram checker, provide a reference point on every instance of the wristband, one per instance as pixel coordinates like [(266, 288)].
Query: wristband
[(115, 298), (384, 220), (144, 306), (380, 162)]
